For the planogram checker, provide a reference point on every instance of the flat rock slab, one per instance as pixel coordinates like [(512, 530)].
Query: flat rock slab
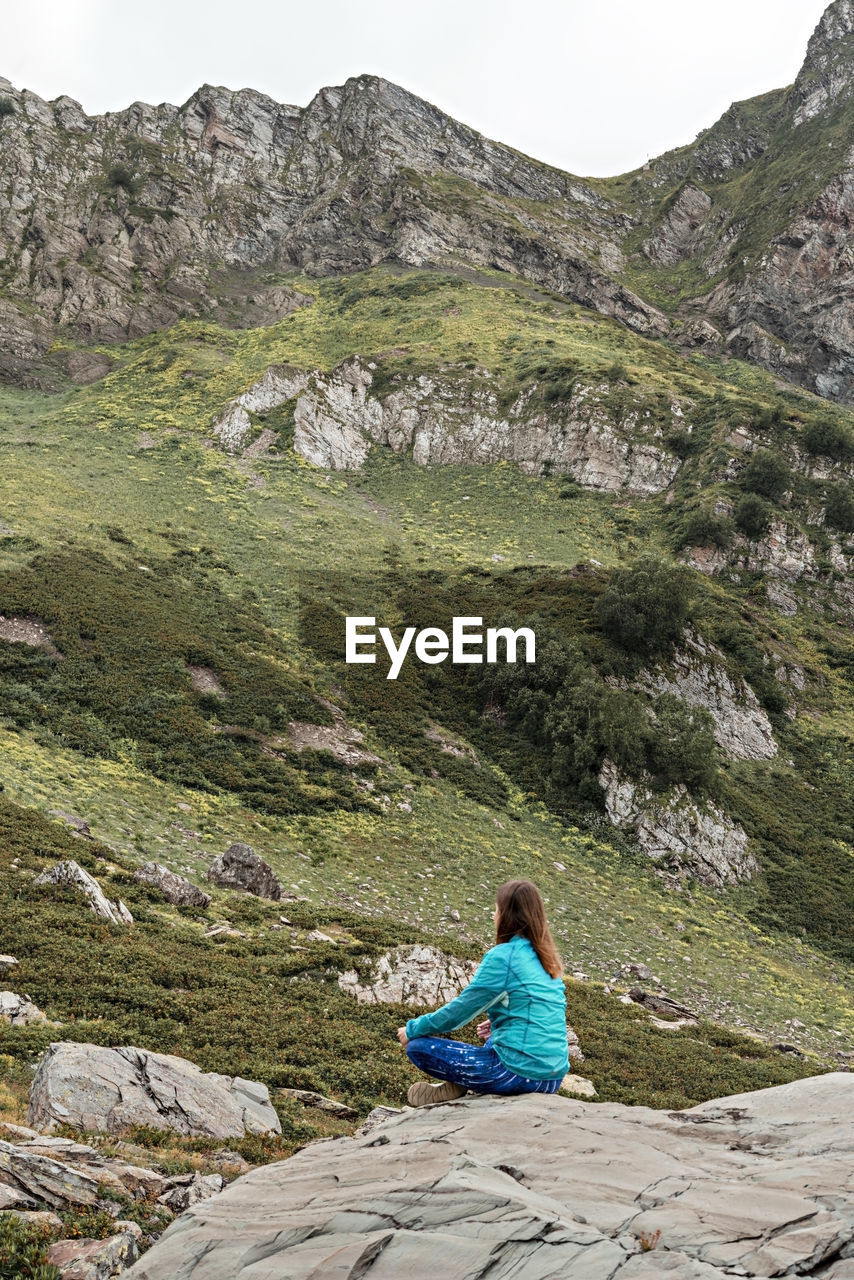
[(95, 1088), (539, 1187)]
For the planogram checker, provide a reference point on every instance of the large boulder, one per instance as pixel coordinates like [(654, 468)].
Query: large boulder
[(90, 1087), (416, 975), (539, 1186), (175, 889), (70, 873), (241, 868)]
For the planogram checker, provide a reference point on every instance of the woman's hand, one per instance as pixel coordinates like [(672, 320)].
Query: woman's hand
[(402, 1036), (484, 1029)]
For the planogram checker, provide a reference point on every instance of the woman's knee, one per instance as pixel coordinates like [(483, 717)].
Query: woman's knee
[(417, 1050)]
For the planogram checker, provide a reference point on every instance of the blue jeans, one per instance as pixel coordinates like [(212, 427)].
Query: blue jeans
[(475, 1067)]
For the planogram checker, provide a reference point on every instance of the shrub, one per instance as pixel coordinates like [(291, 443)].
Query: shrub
[(703, 528), (645, 608), (682, 747), (830, 439), (752, 515), (7, 107), (839, 508), (23, 1250), (766, 474), (120, 176)]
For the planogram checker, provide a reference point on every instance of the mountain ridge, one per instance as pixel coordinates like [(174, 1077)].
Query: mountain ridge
[(119, 223)]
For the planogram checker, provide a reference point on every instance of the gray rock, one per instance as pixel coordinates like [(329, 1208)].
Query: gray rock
[(19, 1010), (30, 1177), (317, 1100), (175, 889), (446, 419), (541, 1186), (94, 1259), (700, 841), (416, 975), (72, 874), (94, 1088), (698, 675), (191, 1189), (241, 868), (7, 962)]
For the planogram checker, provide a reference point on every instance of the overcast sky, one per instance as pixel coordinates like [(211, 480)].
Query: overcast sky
[(594, 86)]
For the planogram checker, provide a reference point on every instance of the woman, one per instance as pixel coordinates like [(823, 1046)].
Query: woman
[(518, 985)]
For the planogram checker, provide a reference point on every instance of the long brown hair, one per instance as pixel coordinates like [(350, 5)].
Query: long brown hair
[(521, 910)]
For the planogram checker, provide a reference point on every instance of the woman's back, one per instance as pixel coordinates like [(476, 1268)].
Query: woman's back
[(529, 1014)]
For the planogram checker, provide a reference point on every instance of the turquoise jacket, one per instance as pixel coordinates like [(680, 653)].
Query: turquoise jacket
[(526, 1006)]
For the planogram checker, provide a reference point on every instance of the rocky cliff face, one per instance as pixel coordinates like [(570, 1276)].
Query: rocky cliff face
[(452, 418), (117, 224)]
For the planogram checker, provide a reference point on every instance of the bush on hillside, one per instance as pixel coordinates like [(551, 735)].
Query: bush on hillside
[(703, 528), (23, 1250), (766, 474), (646, 608), (839, 508), (829, 439), (752, 515)]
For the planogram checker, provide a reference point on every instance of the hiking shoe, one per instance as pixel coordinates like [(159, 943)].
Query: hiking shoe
[(424, 1093)]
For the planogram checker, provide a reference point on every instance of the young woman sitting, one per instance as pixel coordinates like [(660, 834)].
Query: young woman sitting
[(519, 987)]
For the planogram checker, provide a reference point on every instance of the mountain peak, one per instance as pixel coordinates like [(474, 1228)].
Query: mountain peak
[(827, 76)]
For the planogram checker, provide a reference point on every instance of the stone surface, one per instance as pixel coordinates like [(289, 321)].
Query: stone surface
[(190, 1189), (536, 1187), (321, 1103), (32, 1177), (95, 1088), (73, 875), (698, 675), (241, 868), (175, 889), (19, 1010), (337, 419), (416, 975), (94, 1259), (675, 829)]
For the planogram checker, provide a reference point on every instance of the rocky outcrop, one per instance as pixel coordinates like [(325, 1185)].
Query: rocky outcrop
[(241, 868), (94, 1088), (676, 236), (95, 1259), (698, 675), (755, 1185), (677, 831), (175, 889), (19, 1010), (416, 975), (459, 420), (72, 875)]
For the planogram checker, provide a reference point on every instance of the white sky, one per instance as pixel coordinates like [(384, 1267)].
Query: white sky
[(593, 86)]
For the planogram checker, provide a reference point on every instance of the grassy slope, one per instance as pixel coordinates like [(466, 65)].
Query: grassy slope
[(75, 475)]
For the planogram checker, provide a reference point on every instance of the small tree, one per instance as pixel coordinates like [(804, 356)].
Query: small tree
[(766, 474), (752, 515), (829, 439), (703, 528), (645, 608), (7, 107), (839, 508)]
